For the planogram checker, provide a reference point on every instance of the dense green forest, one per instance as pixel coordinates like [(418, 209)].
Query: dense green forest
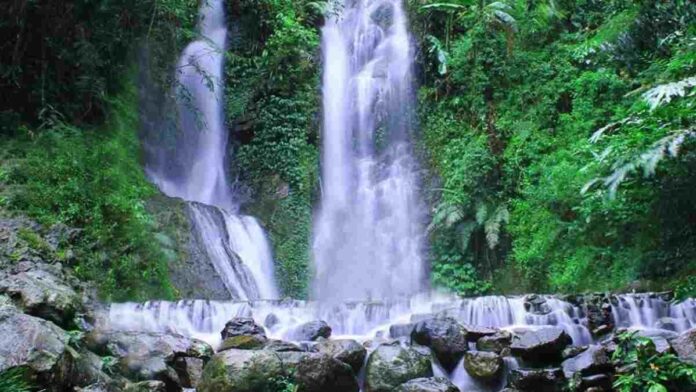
[(556, 137)]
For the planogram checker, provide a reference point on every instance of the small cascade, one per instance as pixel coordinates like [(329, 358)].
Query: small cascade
[(651, 311), (194, 169)]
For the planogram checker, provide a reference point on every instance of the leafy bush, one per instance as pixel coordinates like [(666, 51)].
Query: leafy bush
[(643, 369)]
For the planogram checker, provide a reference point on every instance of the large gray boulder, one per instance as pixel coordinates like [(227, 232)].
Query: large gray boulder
[(36, 345), (430, 384), (484, 366), (345, 350), (152, 356), (392, 364), (592, 361), (445, 336), (42, 290), (685, 345), (311, 331), (540, 345), (264, 370), (537, 380)]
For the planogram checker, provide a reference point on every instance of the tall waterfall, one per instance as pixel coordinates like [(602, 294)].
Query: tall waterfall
[(236, 245), (369, 232)]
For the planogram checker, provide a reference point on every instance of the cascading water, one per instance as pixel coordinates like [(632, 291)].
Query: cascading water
[(369, 233), (236, 245)]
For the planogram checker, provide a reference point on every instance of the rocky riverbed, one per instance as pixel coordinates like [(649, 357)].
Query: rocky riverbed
[(55, 330)]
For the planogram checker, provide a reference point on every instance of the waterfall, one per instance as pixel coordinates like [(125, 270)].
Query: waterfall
[(194, 169), (368, 234)]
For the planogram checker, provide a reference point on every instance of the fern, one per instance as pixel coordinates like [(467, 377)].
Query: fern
[(668, 146), (14, 380), (663, 94)]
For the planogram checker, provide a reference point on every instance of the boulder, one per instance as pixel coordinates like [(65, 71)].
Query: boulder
[(667, 323), (685, 345), (495, 343), (597, 382), (541, 345), (592, 361), (660, 338), (430, 384), (482, 365), (242, 326), (445, 337), (243, 342), (311, 331), (572, 351), (319, 372), (537, 380), (271, 321), (401, 330), (88, 370), (281, 346), (392, 364), (151, 356), (190, 371), (474, 333), (35, 344), (345, 350), (262, 370), (536, 304), (41, 290), (242, 371)]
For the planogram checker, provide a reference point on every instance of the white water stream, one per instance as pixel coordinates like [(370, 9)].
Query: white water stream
[(235, 244), (368, 236)]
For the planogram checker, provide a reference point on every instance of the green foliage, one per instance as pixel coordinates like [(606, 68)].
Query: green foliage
[(272, 77), (92, 179), (644, 369), (15, 380), (62, 59), (564, 115)]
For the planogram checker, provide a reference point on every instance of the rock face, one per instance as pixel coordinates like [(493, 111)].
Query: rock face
[(592, 361), (445, 336), (35, 344), (541, 345), (483, 365), (41, 290), (262, 370), (190, 268), (432, 384), (685, 345), (152, 356), (344, 350), (312, 331), (392, 364), (537, 380)]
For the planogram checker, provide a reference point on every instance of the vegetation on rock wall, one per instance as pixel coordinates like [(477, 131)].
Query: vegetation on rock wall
[(272, 99), (563, 132), (68, 129)]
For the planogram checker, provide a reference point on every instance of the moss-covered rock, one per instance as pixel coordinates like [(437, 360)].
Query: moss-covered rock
[(392, 364)]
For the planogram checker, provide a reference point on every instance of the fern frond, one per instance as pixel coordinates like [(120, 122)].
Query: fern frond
[(663, 94)]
